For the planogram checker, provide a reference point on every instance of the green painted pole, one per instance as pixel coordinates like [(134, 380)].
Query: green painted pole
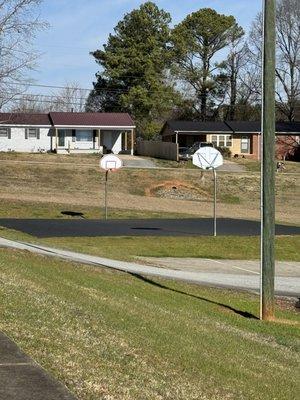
[(268, 164)]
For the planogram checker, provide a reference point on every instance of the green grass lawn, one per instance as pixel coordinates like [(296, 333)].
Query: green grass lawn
[(222, 247), (127, 248), (110, 335), (28, 209)]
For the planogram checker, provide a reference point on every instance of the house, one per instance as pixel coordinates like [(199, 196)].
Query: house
[(243, 138), (67, 132)]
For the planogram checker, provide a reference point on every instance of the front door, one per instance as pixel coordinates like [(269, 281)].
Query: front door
[(61, 138)]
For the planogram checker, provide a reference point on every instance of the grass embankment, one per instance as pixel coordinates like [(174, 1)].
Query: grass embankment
[(52, 184), (128, 248), (110, 335), (42, 209)]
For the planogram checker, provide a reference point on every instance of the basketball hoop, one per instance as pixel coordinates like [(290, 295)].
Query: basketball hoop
[(209, 158), (110, 163)]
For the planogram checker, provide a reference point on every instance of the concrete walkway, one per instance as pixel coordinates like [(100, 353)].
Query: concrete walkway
[(23, 379), (247, 267), (238, 278), (136, 161), (231, 166)]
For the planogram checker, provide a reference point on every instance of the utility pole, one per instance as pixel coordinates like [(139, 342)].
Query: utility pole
[(268, 163)]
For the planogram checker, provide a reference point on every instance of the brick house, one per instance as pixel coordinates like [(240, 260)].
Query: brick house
[(243, 138)]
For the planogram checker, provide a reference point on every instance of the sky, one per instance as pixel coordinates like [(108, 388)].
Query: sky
[(77, 27)]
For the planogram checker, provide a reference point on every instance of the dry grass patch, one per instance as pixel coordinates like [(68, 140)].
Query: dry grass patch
[(77, 182)]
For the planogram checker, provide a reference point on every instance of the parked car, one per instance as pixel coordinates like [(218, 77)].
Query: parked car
[(185, 153), (197, 145)]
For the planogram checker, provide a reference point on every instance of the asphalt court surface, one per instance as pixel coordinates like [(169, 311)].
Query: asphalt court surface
[(140, 227)]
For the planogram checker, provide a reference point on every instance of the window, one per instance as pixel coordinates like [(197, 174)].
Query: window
[(32, 133), (245, 144), (214, 140), (84, 136), (4, 132), (222, 140), (228, 141)]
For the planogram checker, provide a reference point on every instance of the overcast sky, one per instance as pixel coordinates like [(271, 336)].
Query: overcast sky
[(80, 26)]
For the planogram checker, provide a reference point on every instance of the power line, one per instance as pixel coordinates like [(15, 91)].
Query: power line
[(67, 87), (108, 89), (102, 90), (48, 101), (38, 95), (44, 86), (52, 103), (116, 90)]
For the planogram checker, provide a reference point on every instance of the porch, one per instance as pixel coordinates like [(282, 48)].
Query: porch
[(246, 144), (70, 140)]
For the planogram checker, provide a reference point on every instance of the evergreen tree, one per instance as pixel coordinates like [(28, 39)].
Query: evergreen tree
[(134, 65), (195, 42)]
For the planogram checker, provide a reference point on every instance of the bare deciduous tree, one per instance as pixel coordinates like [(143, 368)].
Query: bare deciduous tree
[(287, 54), (288, 60), (31, 103), (71, 98), (19, 22), (233, 66)]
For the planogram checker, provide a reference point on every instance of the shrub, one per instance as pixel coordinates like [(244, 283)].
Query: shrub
[(225, 151)]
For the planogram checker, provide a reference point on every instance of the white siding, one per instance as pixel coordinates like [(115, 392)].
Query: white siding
[(112, 139), (20, 144)]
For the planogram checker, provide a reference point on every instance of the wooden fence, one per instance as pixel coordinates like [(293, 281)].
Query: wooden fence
[(164, 150)]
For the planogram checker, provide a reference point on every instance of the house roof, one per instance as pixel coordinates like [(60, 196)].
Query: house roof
[(255, 127), (24, 119), (198, 126), (229, 127), (288, 127), (68, 119), (91, 119), (244, 126)]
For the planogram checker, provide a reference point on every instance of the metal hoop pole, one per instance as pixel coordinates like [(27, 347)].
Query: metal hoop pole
[(105, 193), (215, 201)]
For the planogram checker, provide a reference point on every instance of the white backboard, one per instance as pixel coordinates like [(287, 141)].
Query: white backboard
[(110, 162), (207, 158)]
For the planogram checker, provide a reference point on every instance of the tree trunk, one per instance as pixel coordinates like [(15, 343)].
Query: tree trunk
[(232, 98), (203, 100), (233, 86)]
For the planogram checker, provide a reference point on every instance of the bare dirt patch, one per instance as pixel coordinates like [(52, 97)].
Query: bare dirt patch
[(177, 190)]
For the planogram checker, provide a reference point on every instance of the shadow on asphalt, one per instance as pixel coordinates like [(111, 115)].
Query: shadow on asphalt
[(244, 314), (147, 229)]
